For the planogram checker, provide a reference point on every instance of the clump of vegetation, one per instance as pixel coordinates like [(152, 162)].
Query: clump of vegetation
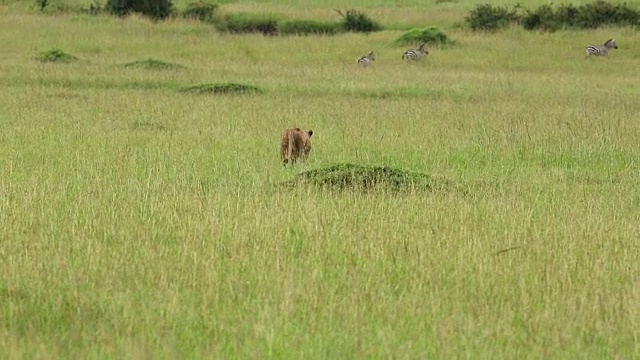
[(153, 64), (95, 8), (550, 18), (430, 35), (56, 55), (347, 176), (147, 125), (601, 13), (200, 10), (248, 23), (487, 17), (42, 4), (588, 16), (224, 88), (154, 9), (356, 21), (309, 27), (543, 18)]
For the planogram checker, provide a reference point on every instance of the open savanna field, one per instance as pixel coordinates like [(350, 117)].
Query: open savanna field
[(141, 221)]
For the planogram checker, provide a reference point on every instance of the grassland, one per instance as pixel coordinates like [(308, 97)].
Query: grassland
[(139, 221)]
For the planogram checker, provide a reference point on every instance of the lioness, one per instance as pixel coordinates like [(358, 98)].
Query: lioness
[(295, 144)]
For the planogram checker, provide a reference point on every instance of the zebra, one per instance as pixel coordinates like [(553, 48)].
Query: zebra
[(366, 60), (413, 54), (601, 50)]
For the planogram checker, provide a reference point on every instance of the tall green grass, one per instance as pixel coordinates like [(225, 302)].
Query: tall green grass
[(140, 221)]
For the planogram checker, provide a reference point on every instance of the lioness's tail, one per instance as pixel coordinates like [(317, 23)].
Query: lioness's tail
[(290, 148)]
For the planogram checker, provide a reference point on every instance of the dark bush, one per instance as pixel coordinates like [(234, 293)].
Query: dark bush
[(588, 16), (567, 15), (309, 27), (42, 4), (154, 9), (487, 17), (200, 10), (601, 13), (355, 21), (248, 23), (544, 18), (95, 8), (430, 35)]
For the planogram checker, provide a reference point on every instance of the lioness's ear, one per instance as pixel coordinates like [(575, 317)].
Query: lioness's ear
[(310, 133)]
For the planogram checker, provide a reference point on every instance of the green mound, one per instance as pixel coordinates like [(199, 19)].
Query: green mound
[(347, 176), (431, 35), (56, 55), (153, 64), (225, 88)]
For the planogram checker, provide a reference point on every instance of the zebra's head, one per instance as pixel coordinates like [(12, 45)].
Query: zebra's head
[(611, 44), (371, 55), (423, 48)]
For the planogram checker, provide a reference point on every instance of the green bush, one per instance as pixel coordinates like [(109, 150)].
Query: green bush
[(42, 4), (95, 8), (355, 21), (248, 23), (588, 16), (154, 9), (543, 18), (487, 17), (200, 10), (431, 35), (600, 13), (308, 27)]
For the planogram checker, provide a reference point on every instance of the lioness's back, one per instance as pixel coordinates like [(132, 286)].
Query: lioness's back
[(295, 143)]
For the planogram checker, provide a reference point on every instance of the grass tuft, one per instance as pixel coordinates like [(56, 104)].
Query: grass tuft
[(153, 64), (147, 125), (348, 176), (56, 55), (224, 88)]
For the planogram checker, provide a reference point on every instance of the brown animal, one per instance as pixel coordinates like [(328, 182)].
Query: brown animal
[(294, 144)]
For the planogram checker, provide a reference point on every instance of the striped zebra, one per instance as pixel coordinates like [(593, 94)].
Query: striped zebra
[(366, 60), (601, 50), (413, 54)]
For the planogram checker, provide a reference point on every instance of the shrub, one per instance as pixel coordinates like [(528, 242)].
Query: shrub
[(42, 4), (307, 27), (600, 13), (248, 23), (356, 21), (95, 8), (200, 11), (154, 9), (56, 55), (431, 35), (587, 16), (543, 18), (487, 17)]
